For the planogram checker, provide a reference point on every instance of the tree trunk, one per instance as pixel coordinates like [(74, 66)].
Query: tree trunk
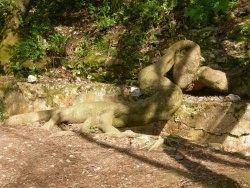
[(10, 30)]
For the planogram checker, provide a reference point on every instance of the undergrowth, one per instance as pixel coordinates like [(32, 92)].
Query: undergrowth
[(146, 27), (5, 9)]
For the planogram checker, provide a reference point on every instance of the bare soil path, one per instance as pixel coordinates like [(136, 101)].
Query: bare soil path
[(30, 158)]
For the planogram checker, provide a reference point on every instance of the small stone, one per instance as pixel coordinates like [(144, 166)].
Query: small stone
[(32, 79), (135, 91), (179, 157), (232, 98)]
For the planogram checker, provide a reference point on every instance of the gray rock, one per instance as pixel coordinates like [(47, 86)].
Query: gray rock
[(232, 98), (179, 157), (32, 79)]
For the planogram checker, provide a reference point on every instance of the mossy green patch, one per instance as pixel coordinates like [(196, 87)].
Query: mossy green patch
[(241, 31), (52, 93), (95, 58)]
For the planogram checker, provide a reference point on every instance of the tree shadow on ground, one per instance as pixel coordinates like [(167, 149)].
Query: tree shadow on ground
[(192, 156)]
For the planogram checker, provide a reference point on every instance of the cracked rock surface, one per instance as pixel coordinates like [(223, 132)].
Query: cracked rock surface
[(226, 123)]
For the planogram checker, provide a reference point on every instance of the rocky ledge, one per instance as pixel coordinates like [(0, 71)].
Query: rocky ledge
[(222, 122)]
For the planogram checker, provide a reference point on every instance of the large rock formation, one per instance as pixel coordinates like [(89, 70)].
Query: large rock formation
[(162, 99)]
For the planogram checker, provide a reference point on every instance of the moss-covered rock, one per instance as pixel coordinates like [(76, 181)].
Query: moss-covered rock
[(22, 97)]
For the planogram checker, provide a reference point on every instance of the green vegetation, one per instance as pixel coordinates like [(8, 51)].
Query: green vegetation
[(29, 51), (104, 40), (5, 8), (2, 110), (207, 12), (240, 32)]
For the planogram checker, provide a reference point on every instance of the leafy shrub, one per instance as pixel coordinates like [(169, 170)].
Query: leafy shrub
[(240, 32), (147, 12), (105, 14), (208, 12), (30, 50), (56, 44), (142, 23)]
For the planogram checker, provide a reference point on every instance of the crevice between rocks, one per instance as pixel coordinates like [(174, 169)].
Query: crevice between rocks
[(216, 134)]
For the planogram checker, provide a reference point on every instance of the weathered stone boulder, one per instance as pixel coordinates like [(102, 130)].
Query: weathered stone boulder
[(224, 124), (214, 79), (22, 97)]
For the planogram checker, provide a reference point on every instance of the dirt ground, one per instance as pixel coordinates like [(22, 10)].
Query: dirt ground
[(30, 158)]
